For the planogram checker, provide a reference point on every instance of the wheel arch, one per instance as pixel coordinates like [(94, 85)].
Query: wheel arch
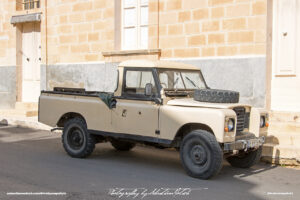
[(65, 117), (187, 128)]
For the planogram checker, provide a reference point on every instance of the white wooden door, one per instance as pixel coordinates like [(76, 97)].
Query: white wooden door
[(285, 36), (31, 58), (285, 95)]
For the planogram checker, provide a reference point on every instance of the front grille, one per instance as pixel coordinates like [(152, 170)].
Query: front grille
[(247, 119), (241, 118)]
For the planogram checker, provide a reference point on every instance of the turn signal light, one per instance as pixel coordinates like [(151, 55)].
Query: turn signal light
[(267, 124), (226, 129)]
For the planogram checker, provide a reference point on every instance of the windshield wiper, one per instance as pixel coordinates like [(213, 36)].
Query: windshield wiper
[(192, 82), (177, 79)]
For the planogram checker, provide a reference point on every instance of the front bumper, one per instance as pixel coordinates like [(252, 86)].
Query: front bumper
[(244, 144)]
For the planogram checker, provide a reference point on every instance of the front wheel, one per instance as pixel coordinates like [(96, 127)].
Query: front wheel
[(245, 160), (201, 154), (76, 139)]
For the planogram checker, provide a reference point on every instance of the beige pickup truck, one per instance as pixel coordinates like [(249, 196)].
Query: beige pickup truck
[(165, 105)]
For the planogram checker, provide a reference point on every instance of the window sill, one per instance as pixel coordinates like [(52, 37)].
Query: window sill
[(132, 52)]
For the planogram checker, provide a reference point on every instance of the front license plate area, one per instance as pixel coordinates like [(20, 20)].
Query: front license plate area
[(254, 143)]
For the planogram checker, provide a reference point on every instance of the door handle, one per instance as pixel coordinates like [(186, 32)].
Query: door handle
[(28, 59)]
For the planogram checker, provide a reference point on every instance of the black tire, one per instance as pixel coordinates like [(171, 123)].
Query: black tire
[(122, 145), (201, 154), (76, 139), (216, 96), (246, 160)]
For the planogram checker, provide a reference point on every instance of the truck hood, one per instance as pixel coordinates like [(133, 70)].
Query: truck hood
[(189, 102)]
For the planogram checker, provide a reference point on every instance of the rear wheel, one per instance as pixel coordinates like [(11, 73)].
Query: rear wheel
[(245, 160), (200, 154), (122, 145), (76, 139)]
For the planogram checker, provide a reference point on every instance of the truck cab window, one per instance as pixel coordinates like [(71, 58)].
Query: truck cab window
[(135, 82)]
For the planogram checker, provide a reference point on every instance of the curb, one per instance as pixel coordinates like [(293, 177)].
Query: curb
[(28, 122), (281, 161)]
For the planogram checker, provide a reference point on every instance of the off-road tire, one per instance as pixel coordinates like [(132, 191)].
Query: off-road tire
[(246, 160), (201, 154), (88, 141), (216, 96), (122, 145)]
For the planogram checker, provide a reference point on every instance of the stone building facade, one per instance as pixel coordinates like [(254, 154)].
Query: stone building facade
[(78, 40)]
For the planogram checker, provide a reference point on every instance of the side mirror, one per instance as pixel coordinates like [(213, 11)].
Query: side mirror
[(158, 101), (113, 104), (148, 89)]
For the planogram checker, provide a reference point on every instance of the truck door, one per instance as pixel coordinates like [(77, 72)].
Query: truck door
[(136, 113)]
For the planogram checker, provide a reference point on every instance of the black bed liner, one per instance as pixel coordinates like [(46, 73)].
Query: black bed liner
[(74, 91), (107, 97)]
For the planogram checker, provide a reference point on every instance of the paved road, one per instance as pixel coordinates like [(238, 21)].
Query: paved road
[(34, 161)]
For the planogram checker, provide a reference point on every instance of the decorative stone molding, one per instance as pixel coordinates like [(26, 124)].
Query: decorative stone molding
[(34, 17), (118, 56)]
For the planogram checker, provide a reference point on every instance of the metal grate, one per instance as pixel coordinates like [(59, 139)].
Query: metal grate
[(240, 113)]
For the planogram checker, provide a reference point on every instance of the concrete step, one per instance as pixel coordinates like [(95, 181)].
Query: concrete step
[(281, 154), (285, 138), (284, 133), (282, 116), (283, 127), (26, 106), (18, 113), (30, 122)]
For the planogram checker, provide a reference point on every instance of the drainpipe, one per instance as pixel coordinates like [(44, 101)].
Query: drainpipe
[(158, 24), (46, 48)]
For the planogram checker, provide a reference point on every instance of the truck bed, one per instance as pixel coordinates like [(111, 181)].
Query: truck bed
[(93, 106)]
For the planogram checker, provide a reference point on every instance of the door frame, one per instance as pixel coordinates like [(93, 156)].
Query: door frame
[(19, 59), (269, 53), (120, 113)]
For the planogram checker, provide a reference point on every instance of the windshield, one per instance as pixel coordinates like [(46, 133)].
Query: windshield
[(171, 79)]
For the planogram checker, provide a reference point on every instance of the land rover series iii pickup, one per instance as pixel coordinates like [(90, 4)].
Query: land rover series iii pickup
[(163, 104)]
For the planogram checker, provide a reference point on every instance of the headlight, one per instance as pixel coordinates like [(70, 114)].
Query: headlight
[(262, 121), (229, 125)]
